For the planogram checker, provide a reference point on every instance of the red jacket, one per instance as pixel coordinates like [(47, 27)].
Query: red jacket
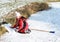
[(21, 24)]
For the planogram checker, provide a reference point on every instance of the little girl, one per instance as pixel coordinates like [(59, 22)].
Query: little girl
[(21, 24)]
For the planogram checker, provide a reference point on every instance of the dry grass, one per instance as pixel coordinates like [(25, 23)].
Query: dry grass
[(2, 30), (26, 11), (44, 6), (32, 8), (11, 20)]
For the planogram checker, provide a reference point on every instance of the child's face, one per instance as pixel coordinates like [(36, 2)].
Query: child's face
[(18, 15)]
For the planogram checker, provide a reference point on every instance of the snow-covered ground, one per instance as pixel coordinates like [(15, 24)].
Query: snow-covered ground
[(55, 4), (43, 20)]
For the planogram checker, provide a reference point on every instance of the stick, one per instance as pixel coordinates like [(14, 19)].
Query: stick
[(43, 30)]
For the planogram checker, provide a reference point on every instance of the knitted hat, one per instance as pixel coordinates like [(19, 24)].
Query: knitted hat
[(17, 14)]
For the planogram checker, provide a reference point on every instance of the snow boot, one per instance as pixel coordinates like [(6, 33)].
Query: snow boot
[(27, 31)]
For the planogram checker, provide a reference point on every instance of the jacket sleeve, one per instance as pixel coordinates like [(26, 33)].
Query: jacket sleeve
[(20, 24), (26, 27)]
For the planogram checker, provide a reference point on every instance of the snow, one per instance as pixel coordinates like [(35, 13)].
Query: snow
[(43, 20), (55, 4), (6, 1)]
